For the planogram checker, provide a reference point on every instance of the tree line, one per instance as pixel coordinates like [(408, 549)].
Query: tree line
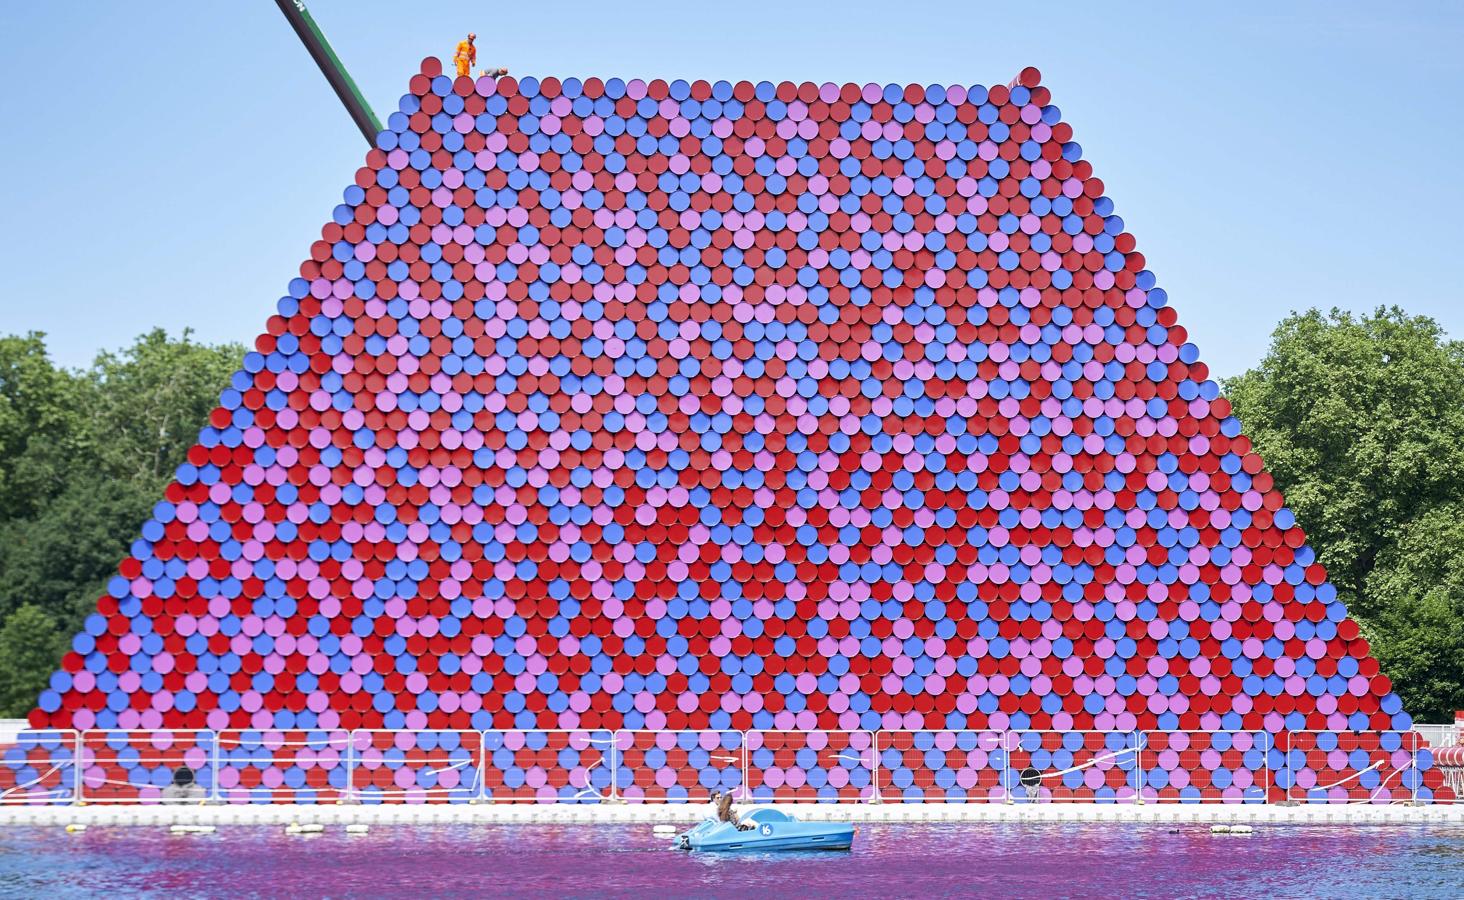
[(84, 456), (1359, 418)]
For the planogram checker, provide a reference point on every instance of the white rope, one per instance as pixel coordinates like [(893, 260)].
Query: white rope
[(1395, 800), (1087, 765), (38, 779), (589, 790), (455, 766), (1353, 777)]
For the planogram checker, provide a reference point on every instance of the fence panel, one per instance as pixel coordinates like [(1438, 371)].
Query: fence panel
[(548, 766), (810, 766), (1436, 736), (1206, 766), (39, 766), (283, 766), (1073, 766), (678, 766), (421, 766), (146, 766), (941, 766), (1352, 767)]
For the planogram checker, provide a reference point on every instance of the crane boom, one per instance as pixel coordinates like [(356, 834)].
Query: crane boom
[(330, 66)]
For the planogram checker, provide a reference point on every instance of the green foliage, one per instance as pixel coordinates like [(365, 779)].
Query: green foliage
[(39, 424), (151, 399), (84, 456), (1417, 632), (1361, 422), (61, 559), (30, 645)]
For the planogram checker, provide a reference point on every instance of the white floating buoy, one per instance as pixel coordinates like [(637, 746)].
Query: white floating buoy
[(663, 829), (192, 829), (307, 828), (1219, 829), (75, 828), (358, 828), (1241, 829)]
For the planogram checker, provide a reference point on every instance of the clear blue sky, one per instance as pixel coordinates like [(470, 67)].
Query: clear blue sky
[(169, 164)]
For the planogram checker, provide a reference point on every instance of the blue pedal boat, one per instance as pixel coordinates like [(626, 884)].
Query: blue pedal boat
[(771, 830)]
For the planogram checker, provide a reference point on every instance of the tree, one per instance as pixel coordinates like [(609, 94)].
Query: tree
[(39, 419), (1417, 631), (84, 456), (60, 559), (150, 400), (1361, 422), (30, 646)]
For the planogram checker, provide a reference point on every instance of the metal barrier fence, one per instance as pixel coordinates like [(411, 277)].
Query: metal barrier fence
[(1344, 767), (679, 766), (809, 766), (130, 766), (282, 765), (601, 765), (415, 766), (951, 766), (1207, 766), (1073, 766), (39, 767), (548, 766)]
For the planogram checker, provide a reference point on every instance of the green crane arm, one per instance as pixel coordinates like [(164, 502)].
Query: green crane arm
[(330, 66)]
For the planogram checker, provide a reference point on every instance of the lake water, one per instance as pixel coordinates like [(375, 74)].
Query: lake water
[(887, 860)]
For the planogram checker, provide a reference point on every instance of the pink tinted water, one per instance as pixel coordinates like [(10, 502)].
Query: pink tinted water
[(887, 860)]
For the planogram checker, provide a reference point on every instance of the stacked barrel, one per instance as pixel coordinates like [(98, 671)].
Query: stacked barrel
[(1447, 755), (707, 406)]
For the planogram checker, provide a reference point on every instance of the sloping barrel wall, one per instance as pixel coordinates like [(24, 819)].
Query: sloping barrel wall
[(741, 407)]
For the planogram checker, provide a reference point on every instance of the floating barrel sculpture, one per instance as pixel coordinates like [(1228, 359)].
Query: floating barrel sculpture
[(668, 406)]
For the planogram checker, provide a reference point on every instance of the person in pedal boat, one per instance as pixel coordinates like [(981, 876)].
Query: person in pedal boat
[(725, 813)]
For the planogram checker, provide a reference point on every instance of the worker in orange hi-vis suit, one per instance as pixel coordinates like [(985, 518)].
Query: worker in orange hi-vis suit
[(466, 55)]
